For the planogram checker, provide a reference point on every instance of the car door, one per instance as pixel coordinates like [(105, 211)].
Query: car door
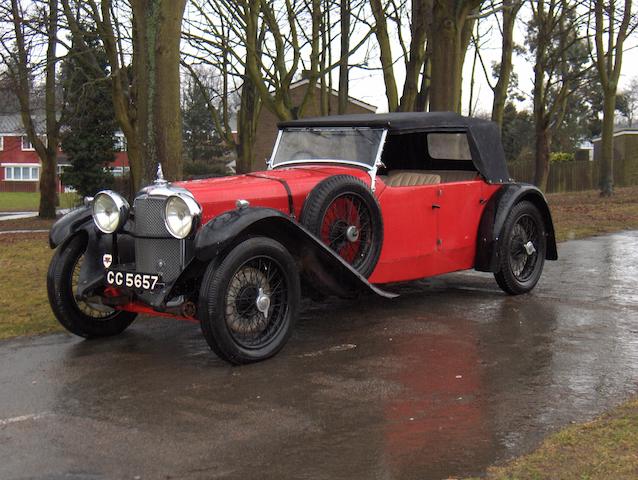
[(410, 233), (459, 206)]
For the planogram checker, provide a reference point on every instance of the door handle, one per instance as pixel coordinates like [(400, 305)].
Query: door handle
[(435, 205)]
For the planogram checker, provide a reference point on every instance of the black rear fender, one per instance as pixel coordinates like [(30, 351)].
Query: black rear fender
[(493, 219), (320, 268)]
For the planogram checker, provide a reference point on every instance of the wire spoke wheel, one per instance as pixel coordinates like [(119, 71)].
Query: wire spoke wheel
[(346, 228), (78, 316), (256, 302), (84, 307), (522, 249), (345, 215), (249, 301)]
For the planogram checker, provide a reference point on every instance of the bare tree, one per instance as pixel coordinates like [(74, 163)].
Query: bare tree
[(266, 47), (412, 55), (144, 62), (613, 24), (449, 31), (554, 40), (509, 13), (32, 27)]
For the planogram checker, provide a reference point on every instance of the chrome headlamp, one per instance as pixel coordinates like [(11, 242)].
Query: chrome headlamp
[(181, 215), (110, 211)]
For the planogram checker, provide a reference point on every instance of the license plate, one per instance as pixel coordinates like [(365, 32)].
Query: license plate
[(140, 281)]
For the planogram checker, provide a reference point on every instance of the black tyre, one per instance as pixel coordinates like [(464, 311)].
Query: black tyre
[(77, 316), (522, 249), (346, 216), (249, 302)]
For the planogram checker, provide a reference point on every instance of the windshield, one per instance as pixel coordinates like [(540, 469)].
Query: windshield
[(358, 146)]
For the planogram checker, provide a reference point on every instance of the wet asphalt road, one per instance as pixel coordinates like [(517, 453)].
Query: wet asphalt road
[(443, 381)]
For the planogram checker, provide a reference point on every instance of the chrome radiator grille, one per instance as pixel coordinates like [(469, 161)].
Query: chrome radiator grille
[(149, 217), (156, 251)]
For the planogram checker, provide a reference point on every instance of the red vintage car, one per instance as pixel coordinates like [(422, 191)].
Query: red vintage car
[(347, 205)]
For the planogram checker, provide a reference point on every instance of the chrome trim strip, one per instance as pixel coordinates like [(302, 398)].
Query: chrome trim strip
[(274, 150), (323, 160), (377, 161)]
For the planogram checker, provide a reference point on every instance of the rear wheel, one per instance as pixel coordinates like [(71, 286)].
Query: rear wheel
[(249, 302), (343, 213), (77, 316), (522, 249)]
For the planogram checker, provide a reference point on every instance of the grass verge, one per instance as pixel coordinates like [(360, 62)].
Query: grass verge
[(584, 214), (24, 308), (29, 202), (603, 449)]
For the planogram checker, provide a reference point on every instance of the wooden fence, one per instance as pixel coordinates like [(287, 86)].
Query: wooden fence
[(577, 175)]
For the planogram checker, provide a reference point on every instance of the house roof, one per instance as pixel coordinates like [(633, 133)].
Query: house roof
[(355, 101), (619, 132), (11, 124)]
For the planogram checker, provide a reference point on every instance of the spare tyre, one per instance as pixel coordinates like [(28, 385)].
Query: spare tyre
[(346, 216)]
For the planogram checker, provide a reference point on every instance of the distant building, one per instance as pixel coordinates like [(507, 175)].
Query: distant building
[(20, 165), (266, 132), (625, 155)]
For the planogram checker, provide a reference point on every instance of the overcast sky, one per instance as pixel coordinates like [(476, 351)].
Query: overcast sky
[(368, 85)]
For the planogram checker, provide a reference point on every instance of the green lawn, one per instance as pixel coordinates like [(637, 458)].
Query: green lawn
[(20, 201), (24, 307)]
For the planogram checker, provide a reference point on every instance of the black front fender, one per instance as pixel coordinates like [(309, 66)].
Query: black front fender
[(69, 224), (493, 220), (319, 266)]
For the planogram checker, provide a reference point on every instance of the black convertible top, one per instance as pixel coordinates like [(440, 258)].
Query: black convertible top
[(483, 135)]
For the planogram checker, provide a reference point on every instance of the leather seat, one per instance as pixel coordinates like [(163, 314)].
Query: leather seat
[(410, 178), (456, 175)]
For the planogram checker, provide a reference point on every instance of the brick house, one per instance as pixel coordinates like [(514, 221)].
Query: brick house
[(266, 132), (20, 164)]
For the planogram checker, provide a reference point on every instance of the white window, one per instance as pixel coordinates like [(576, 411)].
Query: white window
[(119, 143), (22, 173), (26, 144), (1, 143)]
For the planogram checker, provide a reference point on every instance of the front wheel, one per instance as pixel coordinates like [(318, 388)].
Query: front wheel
[(249, 302), (522, 249), (79, 317)]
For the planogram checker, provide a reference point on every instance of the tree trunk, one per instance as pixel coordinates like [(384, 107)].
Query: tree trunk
[(385, 55), (157, 28), (416, 58), (345, 52), (48, 175), (246, 126), (451, 29), (541, 172), (510, 10), (541, 120), (48, 185), (607, 145)]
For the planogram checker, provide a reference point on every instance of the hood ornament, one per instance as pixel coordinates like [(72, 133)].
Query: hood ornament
[(160, 180)]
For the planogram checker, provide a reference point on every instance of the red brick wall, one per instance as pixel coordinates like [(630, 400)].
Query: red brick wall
[(12, 153)]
